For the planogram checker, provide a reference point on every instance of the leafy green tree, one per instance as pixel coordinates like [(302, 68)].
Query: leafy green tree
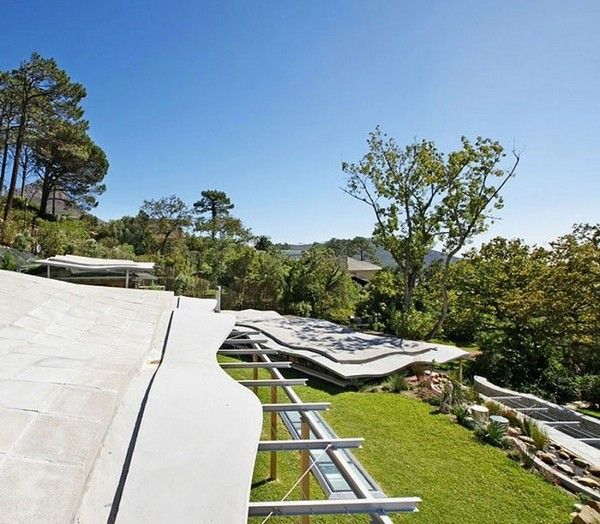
[(215, 204), (358, 247), (263, 243), (420, 196), (69, 161), (318, 286), (166, 216), (41, 91)]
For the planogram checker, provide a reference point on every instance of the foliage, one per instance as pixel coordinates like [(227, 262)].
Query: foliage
[(420, 196), (318, 286), (8, 262), (494, 408), (461, 412), (166, 216), (589, 386), (396, 383), (492, 433), (60, 237), (533, 430)]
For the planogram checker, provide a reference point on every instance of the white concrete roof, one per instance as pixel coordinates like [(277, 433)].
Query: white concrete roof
[(195, 453), (74, 262), (76, 363), (347, 353), (67, 352)]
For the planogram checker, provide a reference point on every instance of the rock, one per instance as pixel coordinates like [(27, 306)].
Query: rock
[(594, 470), (547, 458), (581, 463), (578, 507), (587, 515), (480, 414), (588, 482), (565, 468), (564, 455), (526, 439), (514, 432), (594, 504)]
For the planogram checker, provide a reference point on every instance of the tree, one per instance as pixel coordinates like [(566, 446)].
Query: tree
[(419, 197), (318, 286), (217, 205), (360, 247), (263, 243), (168, 215), (40, 90), (470, 195), (69, 161), (402, 186)]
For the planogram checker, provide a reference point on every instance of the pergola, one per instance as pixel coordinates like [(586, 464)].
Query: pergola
[(311, 437), (89, 266)]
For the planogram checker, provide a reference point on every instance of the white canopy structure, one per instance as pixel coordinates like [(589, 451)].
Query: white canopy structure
[(78, 264), (336, 353)]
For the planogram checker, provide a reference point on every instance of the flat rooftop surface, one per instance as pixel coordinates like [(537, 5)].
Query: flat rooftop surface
[(67, 353)]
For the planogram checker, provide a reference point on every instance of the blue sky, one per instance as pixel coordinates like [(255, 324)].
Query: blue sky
[(264, 99)]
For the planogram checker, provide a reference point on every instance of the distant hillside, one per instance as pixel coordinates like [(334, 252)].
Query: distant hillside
[(384, 257)]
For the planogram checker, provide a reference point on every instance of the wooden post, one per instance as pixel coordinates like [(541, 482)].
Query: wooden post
[(255, 374), (273, 465), (304, 466)]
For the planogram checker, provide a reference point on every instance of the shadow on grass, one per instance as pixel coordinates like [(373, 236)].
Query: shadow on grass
[(260, 483)]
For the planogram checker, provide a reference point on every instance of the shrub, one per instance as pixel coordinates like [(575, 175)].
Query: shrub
[(589, 386), (533, 430), (396, 383), (461, 412), (492, 433), (8, 262), (494, 408), (512, 416), (412, 325), (22, 241)]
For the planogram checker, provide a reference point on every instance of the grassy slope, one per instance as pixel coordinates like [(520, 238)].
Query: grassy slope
[(591, 412), (412, 452)]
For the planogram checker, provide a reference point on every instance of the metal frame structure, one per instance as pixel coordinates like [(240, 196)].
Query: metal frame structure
[(364, 501)]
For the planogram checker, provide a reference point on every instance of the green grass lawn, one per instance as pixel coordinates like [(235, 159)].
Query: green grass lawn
[(410, 451), (590, 412)]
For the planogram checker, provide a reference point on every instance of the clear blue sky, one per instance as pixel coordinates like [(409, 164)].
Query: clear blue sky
[(264, 99)]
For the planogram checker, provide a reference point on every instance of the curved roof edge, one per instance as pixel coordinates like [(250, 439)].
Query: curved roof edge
[(195, 451)]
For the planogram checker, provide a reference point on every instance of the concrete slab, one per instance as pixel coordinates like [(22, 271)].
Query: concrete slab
[(348, 354)]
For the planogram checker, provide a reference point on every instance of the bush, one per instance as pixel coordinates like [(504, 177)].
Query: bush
[(492, 433), (494, 408), (413, 324), (22, 241), (461, 412), (8, 262), (533, 430), (396, 383), (589, 386)]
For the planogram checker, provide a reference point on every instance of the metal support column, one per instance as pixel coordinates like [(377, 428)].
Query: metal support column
[(127, 278)]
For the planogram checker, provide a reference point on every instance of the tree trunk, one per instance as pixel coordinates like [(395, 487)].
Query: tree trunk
[(439, 324), (45, 194), (4, 162), (24, 174), (15, 168)]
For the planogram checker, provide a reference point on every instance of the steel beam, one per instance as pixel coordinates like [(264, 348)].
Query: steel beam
[(273, 382), (307, 406), (251, 365), (248, 351), (334, 507), (302, 444), (245, 341)]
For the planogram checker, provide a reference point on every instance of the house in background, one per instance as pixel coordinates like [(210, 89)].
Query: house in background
[(361, 271)]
